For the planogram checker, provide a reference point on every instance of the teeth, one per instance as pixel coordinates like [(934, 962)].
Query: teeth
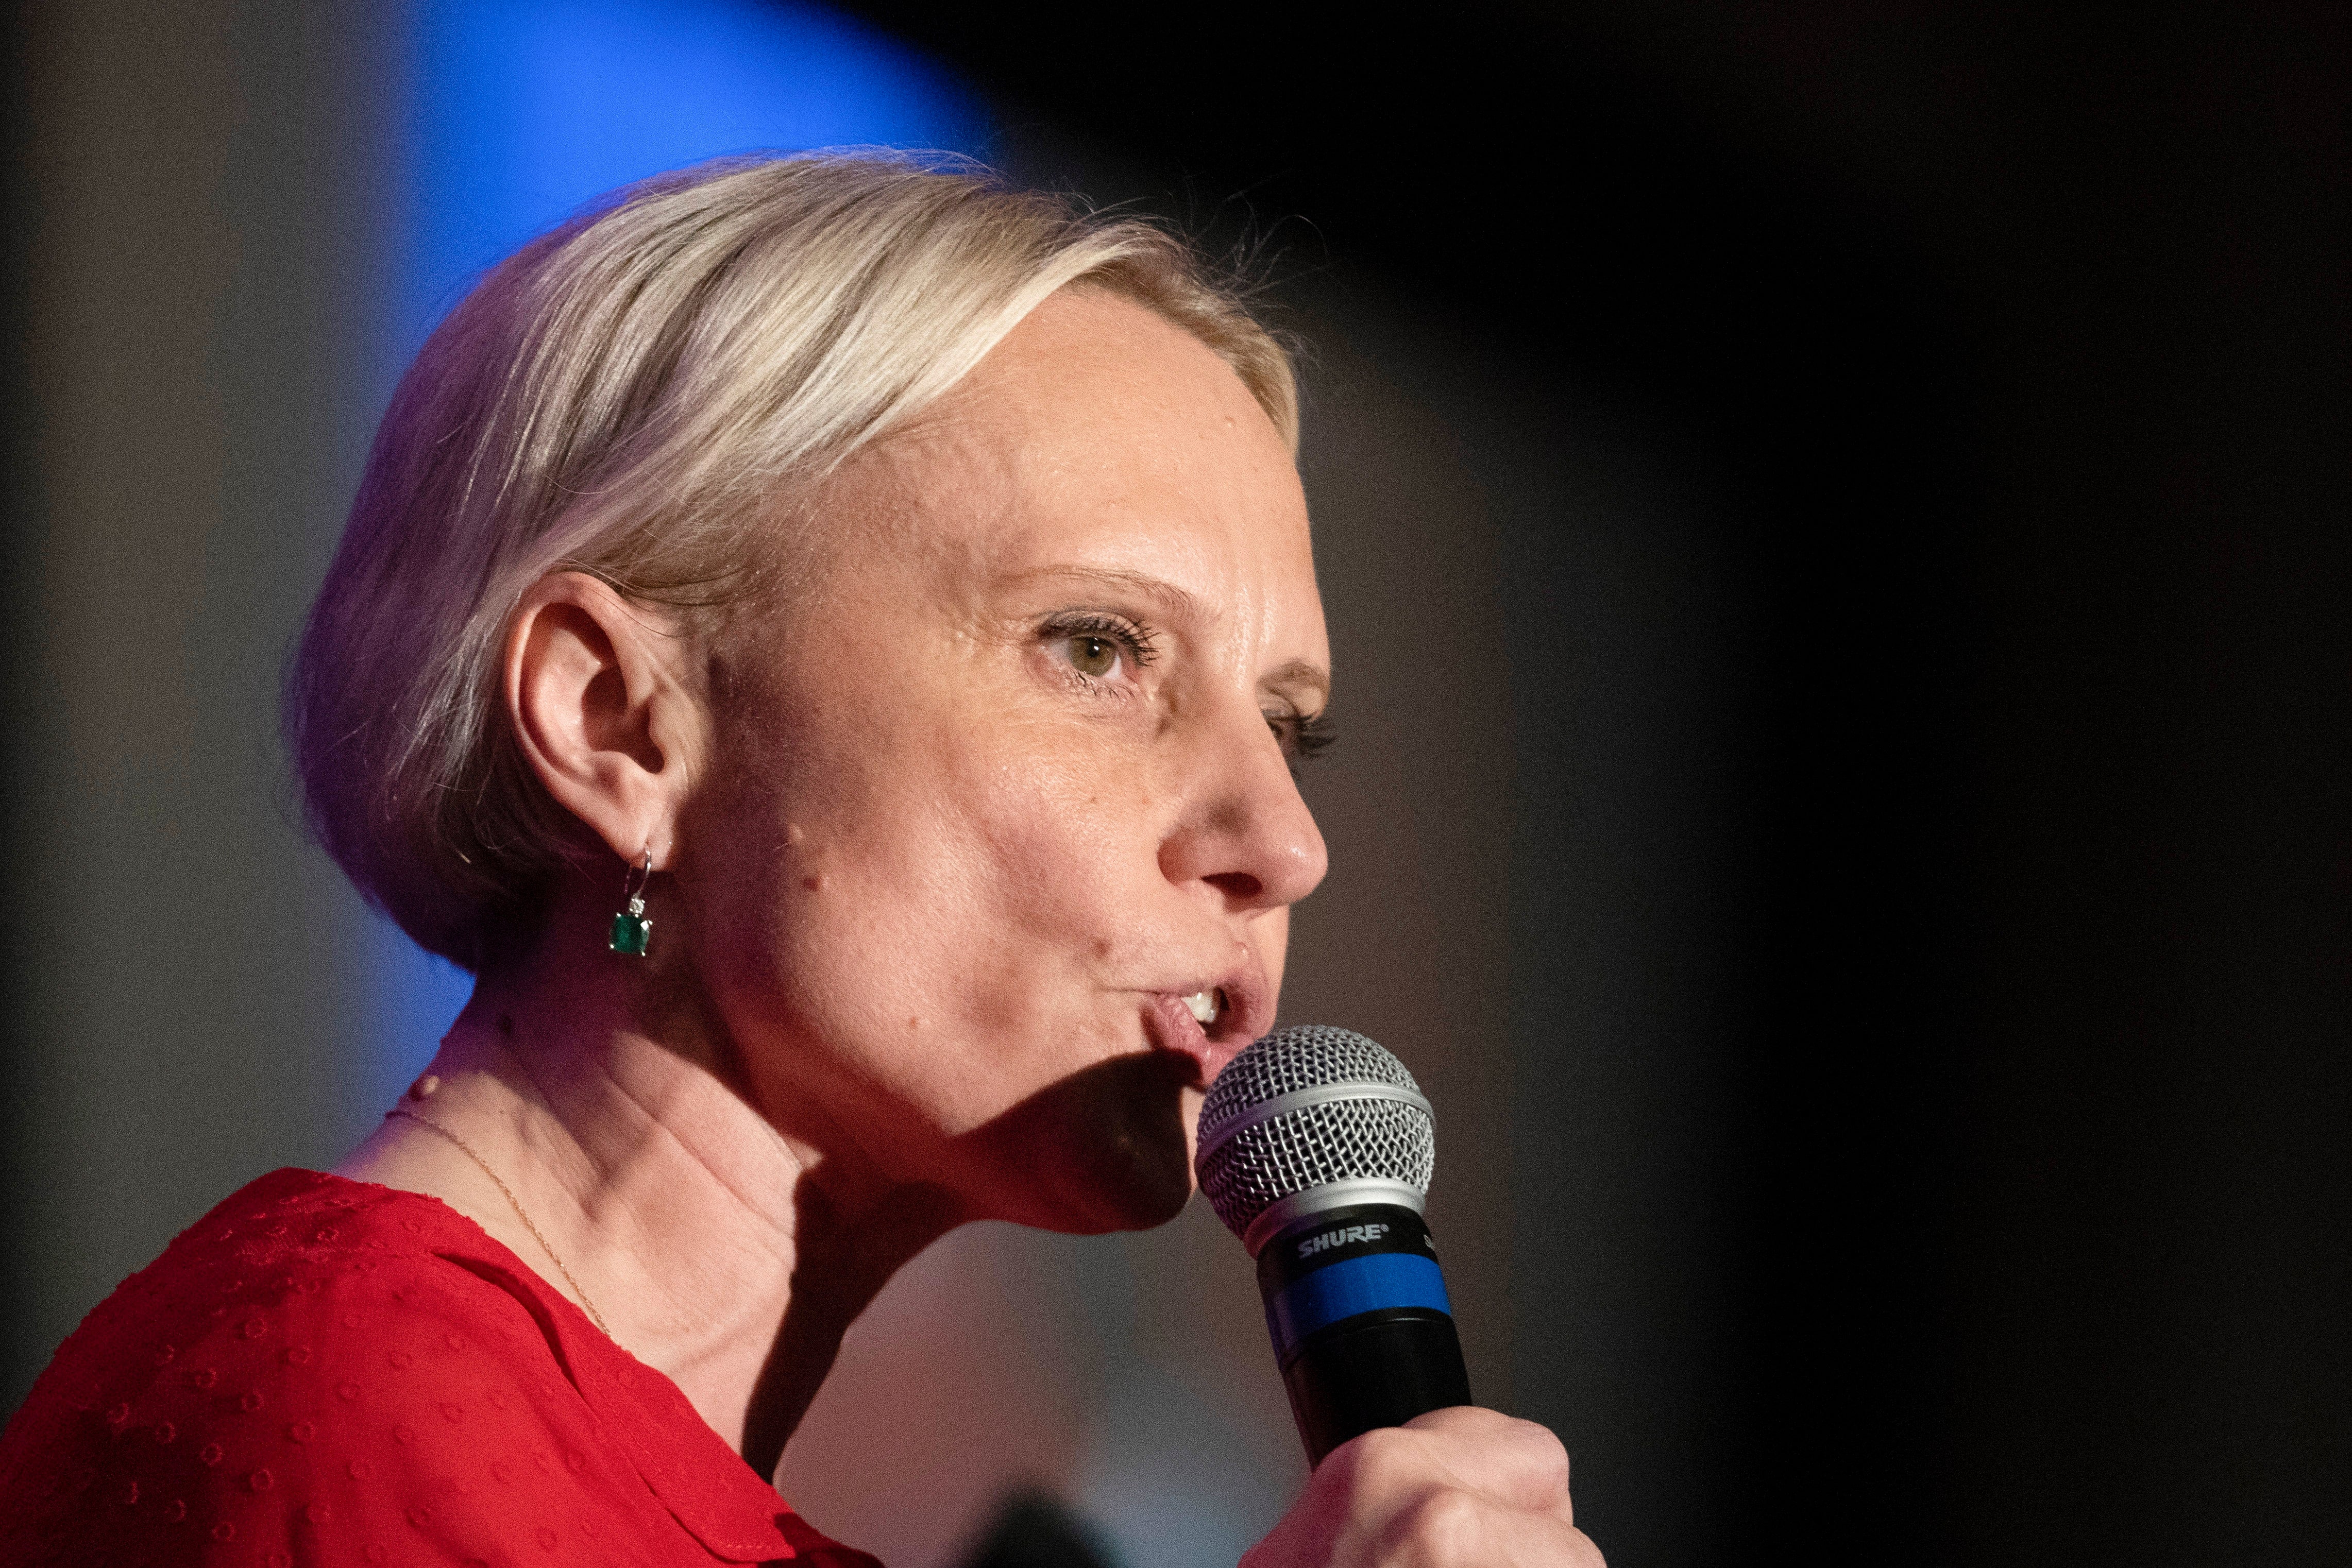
[(1205, 1005)]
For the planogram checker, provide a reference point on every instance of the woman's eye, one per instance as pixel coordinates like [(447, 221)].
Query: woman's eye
[(1101, 650), (1094, 657), (1302, 736)]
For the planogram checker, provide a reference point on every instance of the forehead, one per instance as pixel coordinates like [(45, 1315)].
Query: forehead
[(1097, 435)]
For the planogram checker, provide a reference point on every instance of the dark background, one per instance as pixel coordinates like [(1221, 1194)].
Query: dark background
[(1891, 700)]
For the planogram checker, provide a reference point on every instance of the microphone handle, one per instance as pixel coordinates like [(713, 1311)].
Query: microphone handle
[(1356, 1308)]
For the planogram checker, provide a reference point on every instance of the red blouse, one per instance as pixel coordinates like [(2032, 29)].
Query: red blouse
[(320, 1371)]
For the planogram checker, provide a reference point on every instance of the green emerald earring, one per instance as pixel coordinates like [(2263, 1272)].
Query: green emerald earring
[(633, 927)]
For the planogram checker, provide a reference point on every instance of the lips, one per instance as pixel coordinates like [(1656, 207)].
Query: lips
[(1246, 1013)]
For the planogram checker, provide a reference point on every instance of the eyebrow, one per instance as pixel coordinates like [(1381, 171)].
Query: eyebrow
[(1299, 672), (1183, 602), (1179, 601)]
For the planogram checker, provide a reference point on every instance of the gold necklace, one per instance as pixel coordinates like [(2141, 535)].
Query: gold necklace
[(418, 1116)]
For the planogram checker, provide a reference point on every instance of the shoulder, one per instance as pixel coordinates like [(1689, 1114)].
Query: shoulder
[(320, 1367)]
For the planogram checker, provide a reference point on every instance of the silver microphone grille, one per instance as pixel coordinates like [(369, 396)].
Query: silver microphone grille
[(1306, 1108)]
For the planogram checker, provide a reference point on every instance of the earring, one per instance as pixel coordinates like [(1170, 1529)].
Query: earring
[(633, 927)]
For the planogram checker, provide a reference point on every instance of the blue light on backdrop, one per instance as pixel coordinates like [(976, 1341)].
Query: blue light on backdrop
[(524, 110)]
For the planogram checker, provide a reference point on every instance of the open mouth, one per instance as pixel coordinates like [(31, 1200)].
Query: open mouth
[(1208, 1026)]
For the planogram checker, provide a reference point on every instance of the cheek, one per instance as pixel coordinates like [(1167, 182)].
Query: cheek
[(1012, 905), (927, 925)]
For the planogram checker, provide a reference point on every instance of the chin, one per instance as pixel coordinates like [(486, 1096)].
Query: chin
[(1104, 1149)]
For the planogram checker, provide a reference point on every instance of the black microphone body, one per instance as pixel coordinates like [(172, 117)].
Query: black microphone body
[(1315, 1149), (1361, 1324)]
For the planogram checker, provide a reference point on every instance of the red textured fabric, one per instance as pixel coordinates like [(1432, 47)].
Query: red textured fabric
[(322, 1371)]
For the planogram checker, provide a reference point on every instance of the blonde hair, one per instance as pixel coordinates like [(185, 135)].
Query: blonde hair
[(627, 396)]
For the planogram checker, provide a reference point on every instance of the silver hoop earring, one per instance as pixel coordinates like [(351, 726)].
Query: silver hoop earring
[(633, 928)]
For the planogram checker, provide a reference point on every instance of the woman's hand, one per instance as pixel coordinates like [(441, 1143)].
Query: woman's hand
[(1462, 1486)]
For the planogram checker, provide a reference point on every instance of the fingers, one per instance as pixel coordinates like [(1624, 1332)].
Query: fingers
[(1449, 1528), (1455, 1488), (1515, 1462)]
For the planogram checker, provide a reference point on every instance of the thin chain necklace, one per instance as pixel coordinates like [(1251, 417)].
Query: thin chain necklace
[(418, 1116)]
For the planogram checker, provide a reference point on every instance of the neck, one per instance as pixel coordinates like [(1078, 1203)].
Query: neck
[(721, 1249)]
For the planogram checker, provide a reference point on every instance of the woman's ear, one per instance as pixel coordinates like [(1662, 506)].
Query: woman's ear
[(598, 691)]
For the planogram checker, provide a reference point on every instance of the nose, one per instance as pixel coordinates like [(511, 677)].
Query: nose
[(1245, 831)]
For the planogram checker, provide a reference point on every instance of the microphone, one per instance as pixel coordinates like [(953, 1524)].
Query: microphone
[(1315, 1149)]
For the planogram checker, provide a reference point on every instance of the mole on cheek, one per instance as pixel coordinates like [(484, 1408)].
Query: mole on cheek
[(814, 883)]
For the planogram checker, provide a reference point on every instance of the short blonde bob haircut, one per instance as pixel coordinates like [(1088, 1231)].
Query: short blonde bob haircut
[(637, 395)]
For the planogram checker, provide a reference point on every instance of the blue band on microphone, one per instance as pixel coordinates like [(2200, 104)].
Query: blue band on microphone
[(1364, 1284)]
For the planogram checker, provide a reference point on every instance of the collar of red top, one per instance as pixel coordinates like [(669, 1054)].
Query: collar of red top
[(717, 1498)]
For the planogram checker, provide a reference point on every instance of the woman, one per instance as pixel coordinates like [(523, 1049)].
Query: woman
[(827, 642)]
